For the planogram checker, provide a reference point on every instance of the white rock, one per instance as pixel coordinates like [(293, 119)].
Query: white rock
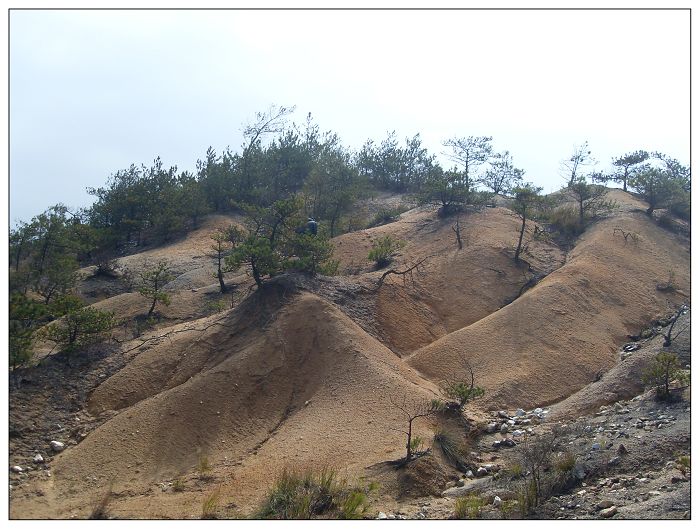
[(38, 458), (504, 428), (381, 516), (537, 411), (17, 469), (497, 501), (519, 412), (518, 433), (481, 471), (57, 446), (491, 428), (469, 474)]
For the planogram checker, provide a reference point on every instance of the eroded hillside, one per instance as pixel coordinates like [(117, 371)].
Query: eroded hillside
[(302, 372)]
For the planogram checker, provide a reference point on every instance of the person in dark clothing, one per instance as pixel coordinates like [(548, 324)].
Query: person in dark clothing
[(312, 226)]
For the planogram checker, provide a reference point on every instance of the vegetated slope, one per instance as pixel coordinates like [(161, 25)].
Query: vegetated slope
[(306, 386), (559, 335), (453, 288)]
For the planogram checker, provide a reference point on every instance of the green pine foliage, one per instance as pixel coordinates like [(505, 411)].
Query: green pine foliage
[(384, 250)]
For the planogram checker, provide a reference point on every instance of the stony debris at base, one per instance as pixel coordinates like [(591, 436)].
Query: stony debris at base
[(57, 446)]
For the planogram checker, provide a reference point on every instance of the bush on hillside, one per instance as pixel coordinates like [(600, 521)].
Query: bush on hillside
[(306, 494), (384, 249)]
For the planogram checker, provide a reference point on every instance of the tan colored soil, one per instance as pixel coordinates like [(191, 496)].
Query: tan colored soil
[(288, 378)]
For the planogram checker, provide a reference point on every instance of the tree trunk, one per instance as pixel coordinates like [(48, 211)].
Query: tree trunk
[(153, 306), (408, 442), (520, 241), (256, 275), (222, 285)]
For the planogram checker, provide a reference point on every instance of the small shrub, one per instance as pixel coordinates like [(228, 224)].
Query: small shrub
[(210, 505), (663, 372), (178, 484), (527, 497), (565, 462), (469, 507), (683, 463), (383, 250), (462, 392), (566, 221), (307, 494), (508, 508), (354, 506), (514, 471), (416, 443), (203, 467), (386, 215), (214, 307)]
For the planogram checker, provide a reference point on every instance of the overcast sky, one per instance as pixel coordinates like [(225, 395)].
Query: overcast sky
[(92, 92)]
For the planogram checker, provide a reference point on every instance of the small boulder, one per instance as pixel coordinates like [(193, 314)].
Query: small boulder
[(595, 446), (481, 471), (609, 512), (497, 501), (381, 516), (504, 428), (503, 414), (38, 459), (491, 428), (614, 461), (57, 446), (621, 450), (17, 469), (605, 504), (519, 412)]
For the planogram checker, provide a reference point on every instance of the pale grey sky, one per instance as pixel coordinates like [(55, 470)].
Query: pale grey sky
[(93, 91)]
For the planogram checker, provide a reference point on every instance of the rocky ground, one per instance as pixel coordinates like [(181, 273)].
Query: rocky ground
[(627, 465)]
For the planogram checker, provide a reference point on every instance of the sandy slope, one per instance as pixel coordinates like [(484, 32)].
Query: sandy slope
[(455, 287), (236, 387), (557, 336)]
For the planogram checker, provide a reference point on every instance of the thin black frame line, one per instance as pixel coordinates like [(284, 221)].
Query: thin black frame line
[(349, 9)]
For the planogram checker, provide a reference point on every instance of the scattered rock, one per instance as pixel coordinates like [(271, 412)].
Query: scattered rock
[(57, 446), (605, 504), (614, 461), (468, 488), (595, 446), (504, 428), (519, 412), (621, 450), (381, 516), (17, 469), (481, 471), (497, 502), (38, 458), (491, 428), (609, 512)]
